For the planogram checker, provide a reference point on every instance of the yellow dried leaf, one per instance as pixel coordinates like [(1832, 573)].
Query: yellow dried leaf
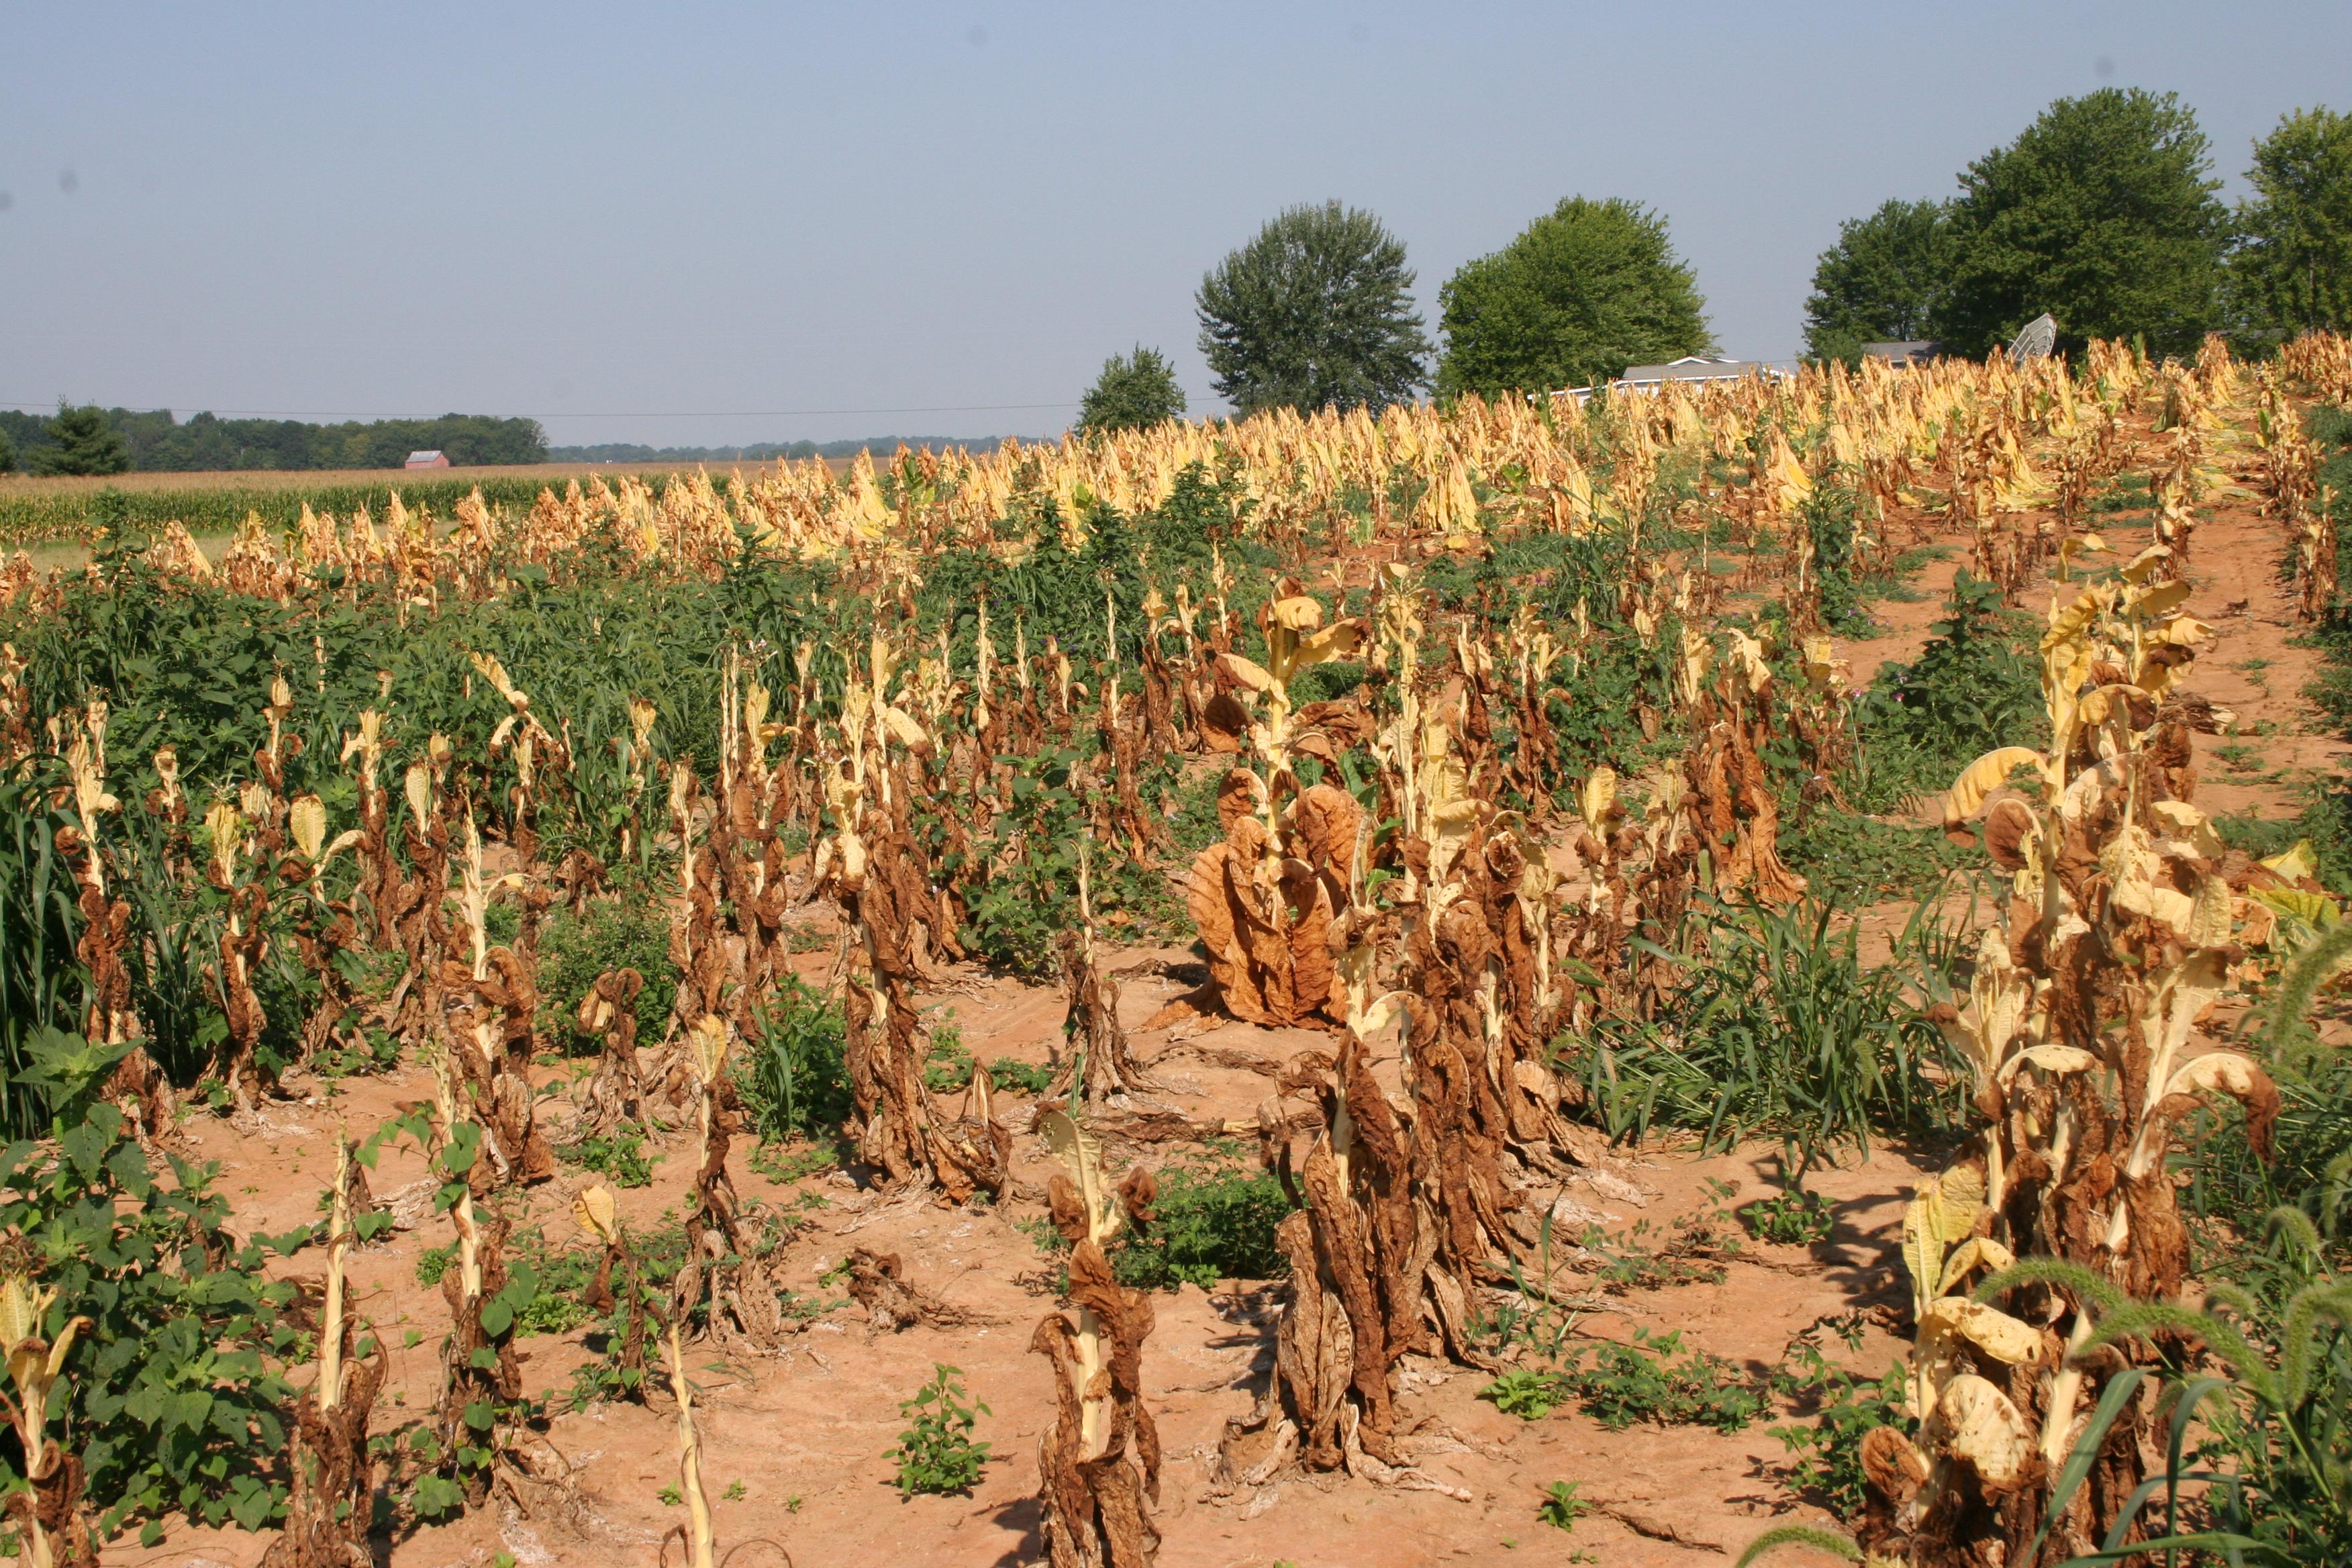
[(1981, 777), (2221, 1072), (1990, 1328), (709, 1043), (21, 1309), (1976, 1252), (1332, 642), (307, 820), (1977, 1423), (2296, 864), (1959, 1199), (2055, 1060), (597, 1212), (1599, 797), (2312, 908), (908, 733), (1300, 612), (1923, 1254), (1245, 671)]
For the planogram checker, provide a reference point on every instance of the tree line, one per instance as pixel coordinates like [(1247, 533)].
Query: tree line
[(87, 440), (2104, 213)]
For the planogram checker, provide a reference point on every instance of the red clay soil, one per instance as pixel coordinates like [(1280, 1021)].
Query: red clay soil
[(805, 1433), (794, 1446)]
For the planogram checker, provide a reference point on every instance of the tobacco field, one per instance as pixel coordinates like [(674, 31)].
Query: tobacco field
[(1744, 973)]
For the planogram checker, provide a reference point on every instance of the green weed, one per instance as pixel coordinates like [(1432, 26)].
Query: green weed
[(793, 1077), (631, 932), (1777, 1029), (1656, 1379), (936, 1452), (172, 1393), (1561, 1507), (1792, 1218), (1007, 1076), (620, 1154), (1207, 1224), (1527, 1393)]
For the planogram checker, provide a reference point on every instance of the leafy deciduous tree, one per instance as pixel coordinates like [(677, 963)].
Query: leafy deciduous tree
[(1134, 392), (2291, 268), (1880, 281), (2103, 213), (1315, 312), (1585, 291)]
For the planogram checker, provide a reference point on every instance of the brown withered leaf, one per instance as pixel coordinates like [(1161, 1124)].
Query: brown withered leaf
[(1223, 723), (1324, 823), (2008, 825)]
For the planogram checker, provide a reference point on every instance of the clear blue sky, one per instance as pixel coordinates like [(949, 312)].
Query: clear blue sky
[(708, 224)]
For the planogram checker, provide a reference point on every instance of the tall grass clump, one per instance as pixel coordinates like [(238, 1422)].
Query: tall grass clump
[(1777, 1029)]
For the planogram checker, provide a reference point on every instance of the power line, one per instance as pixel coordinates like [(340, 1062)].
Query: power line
[(728, 414)]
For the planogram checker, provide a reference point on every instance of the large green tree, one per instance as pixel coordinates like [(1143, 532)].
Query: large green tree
[(1585, 291), (1881, 282), (2103, 213), (82, 442), (2292, 268), (1134, 392), (1315, 312)]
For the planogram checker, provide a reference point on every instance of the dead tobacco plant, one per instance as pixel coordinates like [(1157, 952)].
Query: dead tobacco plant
[(1099, 1457)]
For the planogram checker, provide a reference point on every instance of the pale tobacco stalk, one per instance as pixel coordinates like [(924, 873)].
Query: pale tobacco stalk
[(701, 1543), (339, 1224)]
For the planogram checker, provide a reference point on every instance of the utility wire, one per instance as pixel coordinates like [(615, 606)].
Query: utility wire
[(731, 413)]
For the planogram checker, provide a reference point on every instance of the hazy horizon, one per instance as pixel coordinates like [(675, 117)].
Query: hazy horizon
[(714, 225)]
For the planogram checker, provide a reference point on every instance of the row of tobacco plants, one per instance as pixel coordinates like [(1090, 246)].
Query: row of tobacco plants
[(404, 792)]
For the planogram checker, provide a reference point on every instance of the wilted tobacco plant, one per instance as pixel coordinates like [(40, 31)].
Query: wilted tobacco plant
[(1099, 1457), (1264, 898), (380, 876), (869, 865), (419, 915), (235, 869), (322, 929), (2118, 936), (481, 1377), (600, 1216), (2290, 471), (609, 1011), (723, 1276), (1099, 1063), (137, 1085), (329, 1500), (700, 1540), (51, 1526), (1731, 801), (491, 1033)]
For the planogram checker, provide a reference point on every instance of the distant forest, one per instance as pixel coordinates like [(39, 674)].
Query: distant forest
[(159, 444), (766, 452)]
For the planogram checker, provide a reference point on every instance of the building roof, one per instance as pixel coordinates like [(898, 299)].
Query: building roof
[(1690, 367), (432, 457), (1705, 367), (1903, 351)]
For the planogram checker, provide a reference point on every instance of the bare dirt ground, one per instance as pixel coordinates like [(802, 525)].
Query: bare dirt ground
[(795, 1445)]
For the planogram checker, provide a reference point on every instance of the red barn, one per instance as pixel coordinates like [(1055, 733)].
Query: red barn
[(427, 460)]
